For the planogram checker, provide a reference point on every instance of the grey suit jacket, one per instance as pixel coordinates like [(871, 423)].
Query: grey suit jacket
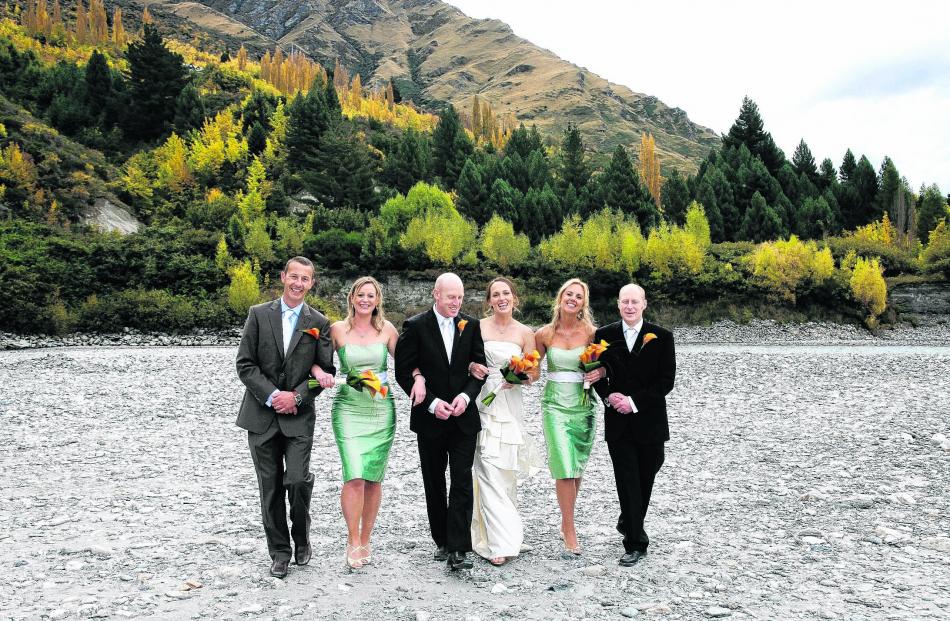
[(263, 367)]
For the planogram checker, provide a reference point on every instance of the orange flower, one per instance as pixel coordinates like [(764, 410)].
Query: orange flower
[(461, 325), (534, 357), (314, 332), (371, 381), (649, 336)]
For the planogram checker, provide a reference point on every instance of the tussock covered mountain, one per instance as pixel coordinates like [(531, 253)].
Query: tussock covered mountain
[(436, 53)]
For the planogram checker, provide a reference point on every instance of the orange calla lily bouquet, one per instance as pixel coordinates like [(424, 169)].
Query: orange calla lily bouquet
[(360, 380), (516, 372), (590, 360)]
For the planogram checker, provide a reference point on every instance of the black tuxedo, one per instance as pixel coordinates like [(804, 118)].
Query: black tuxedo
[(635, 441), (444, 443), (278, 438)]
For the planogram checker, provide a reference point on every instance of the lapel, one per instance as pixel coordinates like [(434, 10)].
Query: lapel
[(303, 322), (433, 324), (456, 336), (273, 314)]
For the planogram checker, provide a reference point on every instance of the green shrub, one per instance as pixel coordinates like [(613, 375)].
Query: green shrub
[(334, 248), (150, 310)]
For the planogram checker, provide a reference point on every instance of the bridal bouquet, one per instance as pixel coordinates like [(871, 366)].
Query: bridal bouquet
[(360, 380), (515, 372), (590, 360)]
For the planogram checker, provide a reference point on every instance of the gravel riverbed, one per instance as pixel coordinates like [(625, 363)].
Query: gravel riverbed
[(806, 478)]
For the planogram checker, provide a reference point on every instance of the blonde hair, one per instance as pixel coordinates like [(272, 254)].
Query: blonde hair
[(378, 320), (486, 305), (584, 315)]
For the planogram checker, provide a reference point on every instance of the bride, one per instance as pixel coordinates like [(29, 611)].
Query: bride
[(504, 452)]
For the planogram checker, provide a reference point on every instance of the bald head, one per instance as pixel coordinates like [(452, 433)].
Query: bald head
[(448, 294), (632, 301)]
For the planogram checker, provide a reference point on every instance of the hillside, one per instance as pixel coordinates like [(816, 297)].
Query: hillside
[(436, 53)]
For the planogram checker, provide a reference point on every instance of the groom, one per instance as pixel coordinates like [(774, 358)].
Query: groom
[(436, 347), (273, 362), (639, 365)]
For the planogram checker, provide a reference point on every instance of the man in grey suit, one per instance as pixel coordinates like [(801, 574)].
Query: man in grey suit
[(277, 349)]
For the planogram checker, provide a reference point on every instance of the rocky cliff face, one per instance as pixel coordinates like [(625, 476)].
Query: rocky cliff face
[(438, 54)]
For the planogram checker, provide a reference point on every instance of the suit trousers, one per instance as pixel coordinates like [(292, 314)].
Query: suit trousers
[(450, 516), (635, 467), (282, 464)]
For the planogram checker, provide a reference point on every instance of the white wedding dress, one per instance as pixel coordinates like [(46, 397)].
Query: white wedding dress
[(504, 454)]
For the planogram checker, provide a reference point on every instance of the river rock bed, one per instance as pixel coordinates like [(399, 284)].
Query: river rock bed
[(801, 482)]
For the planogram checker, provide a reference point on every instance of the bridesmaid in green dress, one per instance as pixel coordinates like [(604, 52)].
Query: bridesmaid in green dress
[(568, 424), (364, 426)]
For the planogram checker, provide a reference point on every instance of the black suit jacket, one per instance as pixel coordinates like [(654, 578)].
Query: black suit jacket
[(263, 367), (646, 374), (420, 346)]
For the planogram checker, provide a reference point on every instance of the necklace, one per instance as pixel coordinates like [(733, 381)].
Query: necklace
[(499, 328)]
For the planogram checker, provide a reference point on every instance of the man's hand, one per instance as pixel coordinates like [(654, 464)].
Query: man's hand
[(458, 405), (284, 403), (443, 410), (619, 402), (592, 377), (418, 392), (478, 371)]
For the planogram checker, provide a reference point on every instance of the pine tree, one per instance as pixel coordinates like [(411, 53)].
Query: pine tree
[(749, 130), (804, 162), (156, 78), (621, 189), (574, 169), (848, 166), (864, 182), (816, 219), (256, 138), (410, 163), (761, 223), (189, 110), (98, 82), (827, 175), (309, 119), (450, 147), (505, 201), (676, 198), (931, 210), (472, 194)]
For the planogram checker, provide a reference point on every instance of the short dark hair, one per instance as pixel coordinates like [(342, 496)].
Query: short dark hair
[(301, 260)]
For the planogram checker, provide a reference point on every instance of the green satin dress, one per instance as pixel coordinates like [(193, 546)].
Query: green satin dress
[(364, 426), (568, 424)]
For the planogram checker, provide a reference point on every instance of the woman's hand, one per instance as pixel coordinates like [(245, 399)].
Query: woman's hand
[(418, 392), (478, 371), (592, 377), (325, 379)]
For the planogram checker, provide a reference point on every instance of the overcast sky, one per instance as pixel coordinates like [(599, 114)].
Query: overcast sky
[(872, 76)]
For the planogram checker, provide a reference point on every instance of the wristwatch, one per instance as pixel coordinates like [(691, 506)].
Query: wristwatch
[(297, 398)]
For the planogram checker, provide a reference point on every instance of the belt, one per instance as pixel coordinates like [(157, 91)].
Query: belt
[(566, 377)]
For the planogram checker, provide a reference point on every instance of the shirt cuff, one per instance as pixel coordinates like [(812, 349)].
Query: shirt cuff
[(633, 407), (271, 398), (466, 397), (435, 403)]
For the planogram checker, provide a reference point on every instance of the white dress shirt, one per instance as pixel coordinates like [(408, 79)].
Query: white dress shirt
[(447, 328), (288, 320), (630, 335)]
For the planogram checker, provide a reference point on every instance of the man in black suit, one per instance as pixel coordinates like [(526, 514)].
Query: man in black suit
[(433, 355), (640, 366), (273, 362)]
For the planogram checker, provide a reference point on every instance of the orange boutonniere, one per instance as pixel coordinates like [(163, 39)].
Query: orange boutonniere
[(314, 332), (649, 336), (461, 325)]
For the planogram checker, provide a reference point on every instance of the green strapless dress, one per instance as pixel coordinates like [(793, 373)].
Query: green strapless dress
[(568, 424), (364, 426)]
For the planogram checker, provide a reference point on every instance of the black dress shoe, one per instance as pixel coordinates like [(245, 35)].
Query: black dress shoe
[(441, 555), (630, 559), (459, 560), (278, 568), (302, 555)]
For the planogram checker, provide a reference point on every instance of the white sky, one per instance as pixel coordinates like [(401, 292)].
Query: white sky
[(873, 76)]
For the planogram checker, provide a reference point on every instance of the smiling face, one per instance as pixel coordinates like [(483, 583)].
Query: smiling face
[(448, 294), (365, 299), (501, 298), (632, 301), (572, 300), (298, 280)]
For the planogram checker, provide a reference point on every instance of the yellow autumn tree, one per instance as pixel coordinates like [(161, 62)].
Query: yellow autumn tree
[(243, 290), (782, 266), (242, 58), (650, 167), (221, 140), (171, 160), (607, 240), (501, 245), (119, 38), (869, 288)]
